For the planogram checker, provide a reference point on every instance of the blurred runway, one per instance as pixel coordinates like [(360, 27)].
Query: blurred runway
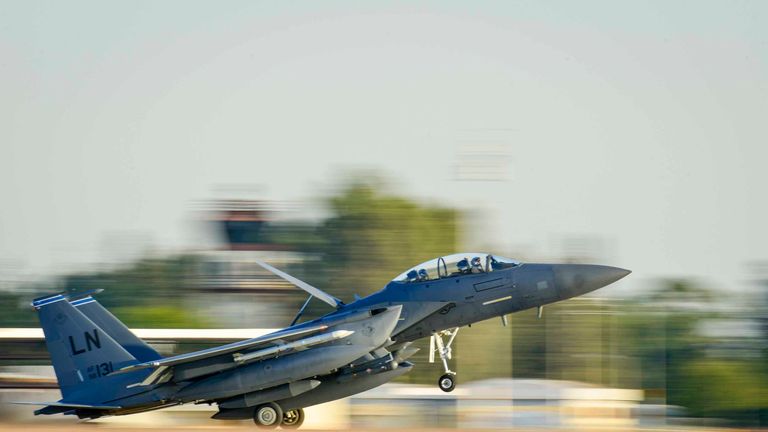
[(249, 426)]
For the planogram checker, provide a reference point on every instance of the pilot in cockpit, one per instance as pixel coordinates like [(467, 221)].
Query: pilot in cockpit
[(477, 265), (423, 275), (417, 276), (463, 266), (412, 276)]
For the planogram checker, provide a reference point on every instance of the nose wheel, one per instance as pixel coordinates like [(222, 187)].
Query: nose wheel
[(447, 381)]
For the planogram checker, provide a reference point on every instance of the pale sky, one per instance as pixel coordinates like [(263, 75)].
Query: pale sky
[(642, 124)]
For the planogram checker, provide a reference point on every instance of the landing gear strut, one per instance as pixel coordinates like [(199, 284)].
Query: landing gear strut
[(293, 419), (447, 381), (268, 416)]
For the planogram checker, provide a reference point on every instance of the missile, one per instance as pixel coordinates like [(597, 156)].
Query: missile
[(296, 345)]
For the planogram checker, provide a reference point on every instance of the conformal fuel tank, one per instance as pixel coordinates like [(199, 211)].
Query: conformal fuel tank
[(272, 372)]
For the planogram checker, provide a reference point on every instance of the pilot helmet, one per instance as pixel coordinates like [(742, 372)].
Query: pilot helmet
[(463, 265), (412, 275), (476, 262), (423, 274)]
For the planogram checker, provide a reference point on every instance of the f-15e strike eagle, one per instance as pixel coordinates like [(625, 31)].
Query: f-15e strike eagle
[(103, 369)]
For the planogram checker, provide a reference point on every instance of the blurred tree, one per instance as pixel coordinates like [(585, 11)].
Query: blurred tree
[(369, 238), (132, 293), (141, 283), (16, 311), (676, 357), (147, 293), (662, 327), (575, 340), (732, 389), (167, 316)]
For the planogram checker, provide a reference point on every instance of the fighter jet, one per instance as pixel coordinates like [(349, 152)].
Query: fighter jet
[(103, 369)]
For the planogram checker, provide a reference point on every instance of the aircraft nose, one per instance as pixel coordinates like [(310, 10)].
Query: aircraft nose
[(577, 279)]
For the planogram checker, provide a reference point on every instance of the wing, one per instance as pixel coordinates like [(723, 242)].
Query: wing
[(317, 292)]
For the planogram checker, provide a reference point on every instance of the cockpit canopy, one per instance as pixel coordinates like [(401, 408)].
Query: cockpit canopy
[(455, 265)]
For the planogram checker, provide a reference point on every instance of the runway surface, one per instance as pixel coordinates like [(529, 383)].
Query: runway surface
[(84, 426)]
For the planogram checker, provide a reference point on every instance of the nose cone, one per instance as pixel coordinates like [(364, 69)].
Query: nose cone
[(577, 279)]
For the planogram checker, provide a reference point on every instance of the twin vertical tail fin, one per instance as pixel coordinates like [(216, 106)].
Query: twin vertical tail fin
[(115, 329), (83, 353)]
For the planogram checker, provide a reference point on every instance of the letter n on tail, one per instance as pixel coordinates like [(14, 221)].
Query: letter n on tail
[(91, 342)]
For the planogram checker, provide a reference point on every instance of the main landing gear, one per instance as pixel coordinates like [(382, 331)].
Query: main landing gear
[(270, 416), (293, 419), (447, 382)]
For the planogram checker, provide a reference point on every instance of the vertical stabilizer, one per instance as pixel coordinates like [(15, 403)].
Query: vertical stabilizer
[(115, 329), (82, 353)]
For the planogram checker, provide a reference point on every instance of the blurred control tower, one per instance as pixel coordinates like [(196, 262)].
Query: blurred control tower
[(233, 290)]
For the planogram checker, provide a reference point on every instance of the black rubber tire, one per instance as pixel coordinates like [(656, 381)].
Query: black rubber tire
[(263, 414), (293, 419), (447, 382)]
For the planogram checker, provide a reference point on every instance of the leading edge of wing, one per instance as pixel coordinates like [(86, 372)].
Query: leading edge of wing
[(314, 291), (223, 349)]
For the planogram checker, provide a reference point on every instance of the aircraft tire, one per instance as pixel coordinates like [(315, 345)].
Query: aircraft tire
[(293, 419), (268, 415), (447, 382)]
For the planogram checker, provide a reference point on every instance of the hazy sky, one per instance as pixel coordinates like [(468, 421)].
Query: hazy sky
[(642, 124)]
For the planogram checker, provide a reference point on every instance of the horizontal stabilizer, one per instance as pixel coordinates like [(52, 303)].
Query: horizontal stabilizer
[(69, 405), (317, 292)]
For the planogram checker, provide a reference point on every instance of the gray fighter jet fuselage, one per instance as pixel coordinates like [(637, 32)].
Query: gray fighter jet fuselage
[(430, 306), (103, 369)]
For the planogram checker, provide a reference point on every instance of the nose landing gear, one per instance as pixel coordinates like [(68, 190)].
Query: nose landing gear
[(447, 382)]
